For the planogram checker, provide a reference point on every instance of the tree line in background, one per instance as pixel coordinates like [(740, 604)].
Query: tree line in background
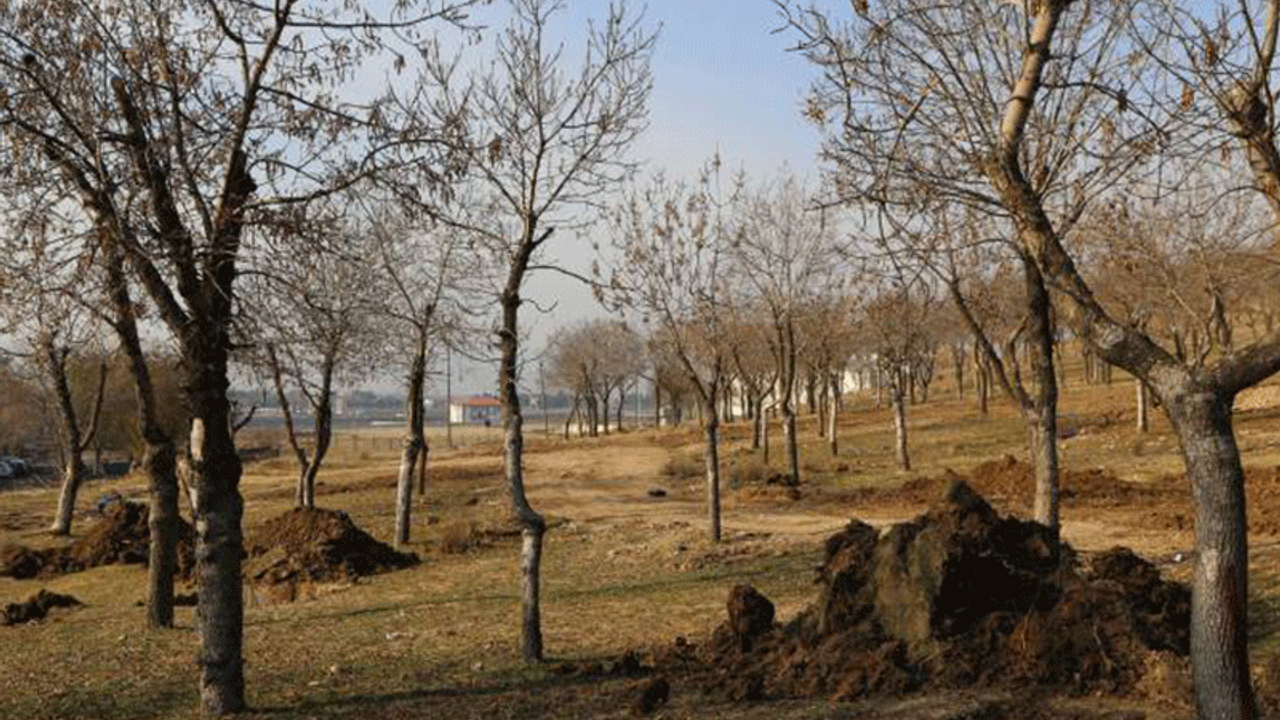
[(998, 180)]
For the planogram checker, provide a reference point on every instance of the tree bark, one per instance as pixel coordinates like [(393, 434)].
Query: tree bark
[(712, 431), (1219, 605), (757, 423), (900, 421), (764, 433), (1144, 405), (323, 408), (982, 376), (1043, 405), (286, 412), (832, 441), (788, 381), (324, 438), (160, 457), (54, 359), (533, 527), (414, 443), (216, 472)]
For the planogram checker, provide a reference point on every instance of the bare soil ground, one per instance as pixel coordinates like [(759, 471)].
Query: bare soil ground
[(626, 569)]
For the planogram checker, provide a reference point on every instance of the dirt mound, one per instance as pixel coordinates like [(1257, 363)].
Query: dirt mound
[(957, 598), (315, 545), (120, 537), (37, 607)]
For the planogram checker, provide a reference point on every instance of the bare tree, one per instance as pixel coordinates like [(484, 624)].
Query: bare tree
[(44, 282), (756, 371), (1222, 60), (314, 315), (892, 321), (544, 140), (431, 281), (786, 255), (175, 126), (827, 323), (673, 244), (592, 360)]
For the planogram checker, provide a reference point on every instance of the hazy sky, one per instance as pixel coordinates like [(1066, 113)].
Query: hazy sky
[(721, 80)]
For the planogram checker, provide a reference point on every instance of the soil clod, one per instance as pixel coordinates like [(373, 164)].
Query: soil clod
[(654, 693), (37, 607)]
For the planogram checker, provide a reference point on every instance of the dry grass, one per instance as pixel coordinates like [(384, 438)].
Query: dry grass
[(621, 570)]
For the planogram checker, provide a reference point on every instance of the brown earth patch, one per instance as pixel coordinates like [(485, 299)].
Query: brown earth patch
[(1164, 503), (121, 536), (960, 597)]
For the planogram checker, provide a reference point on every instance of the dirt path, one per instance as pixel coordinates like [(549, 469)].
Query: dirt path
[(611, 485)]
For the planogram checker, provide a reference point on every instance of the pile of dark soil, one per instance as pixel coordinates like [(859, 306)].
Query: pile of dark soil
[(311, 544), (957, 598), (37, 607), (120, 537)]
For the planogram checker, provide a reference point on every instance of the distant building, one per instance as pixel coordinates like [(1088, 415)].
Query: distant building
[(475, 410)]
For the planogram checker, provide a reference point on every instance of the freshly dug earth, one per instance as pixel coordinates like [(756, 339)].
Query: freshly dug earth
[(957, 598), (1163, 503), (120, 537), (315, 545), (37, 607)]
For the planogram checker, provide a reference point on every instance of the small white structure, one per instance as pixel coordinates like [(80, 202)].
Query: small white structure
[(475, 410)]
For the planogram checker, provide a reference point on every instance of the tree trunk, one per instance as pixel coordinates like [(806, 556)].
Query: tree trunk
[(422, 471), (788, 380), (414, 442), (573, 413), (832, 442), (764, 433), (822, 406), (291, 435), (593, 414), (160, 463), (604, 410), (622, 399), (324, 435), (1144, 404), (1042, 441), (657, 401), (982, 378), (792, 441), (712, 429), (54, 359), (1044, 417), (757, 423), (1219, 607), (216, 472), (900, 421), (159, 457), (533, 527)]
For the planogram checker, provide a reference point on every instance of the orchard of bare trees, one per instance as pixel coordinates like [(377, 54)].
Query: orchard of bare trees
[(314, 196)]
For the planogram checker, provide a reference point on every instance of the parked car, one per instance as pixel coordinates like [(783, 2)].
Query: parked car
[(17, 466)]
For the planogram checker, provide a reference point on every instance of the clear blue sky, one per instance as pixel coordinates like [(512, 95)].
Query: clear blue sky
[(720, 77)]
